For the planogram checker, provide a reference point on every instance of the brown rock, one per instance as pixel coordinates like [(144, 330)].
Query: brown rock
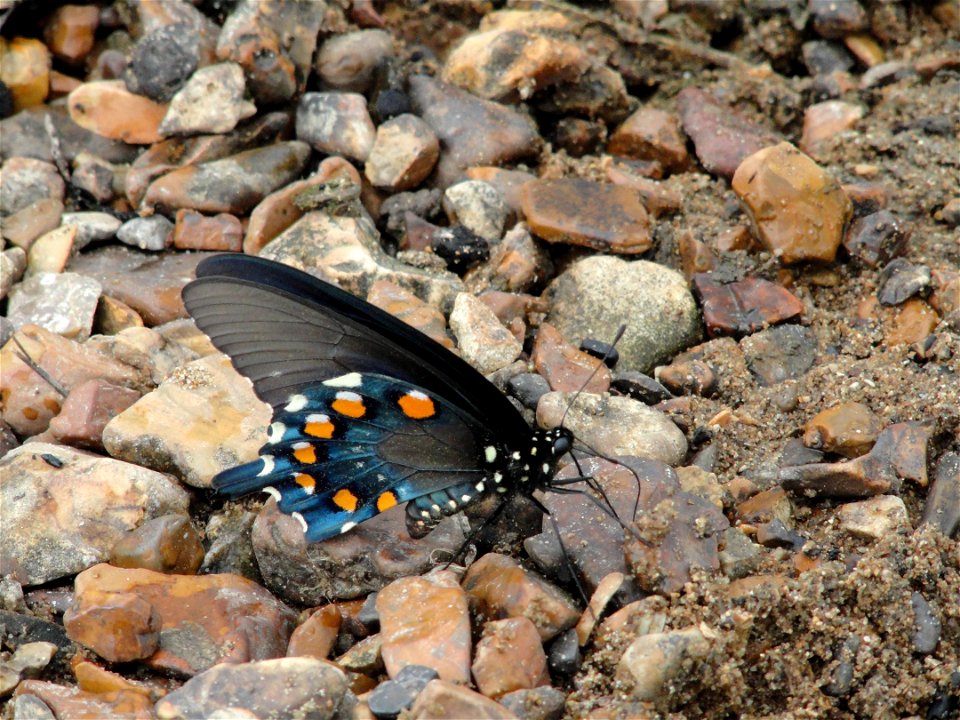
[(652, 662), (509, 657), (26, 180), (122, 629), (442, 699), (202, 620), (97, 680), (403, 154), (86, 411), (107, 108), (507, 183), (695, 256), (69, 31), (516, 265), (70, 702), (349, 61), (364, 657), (942, 507), (607, 588), (737, 237), (723, 137), (279, 210), (167, 544), (823, 121), (483, 341), (406, 306), (835, 20), (689, 377), (25, 70), (582, 212), (744, 307), (658, 199), (26, 225), (232, 185), (336, 123), (877, 238), (651, 134), (874, 518), (499, 588), (194, 231), (564, 366), (766, 506), (914, 321), (849, 428), (798, 209), (426, 621), (51, 251), (317, 635)]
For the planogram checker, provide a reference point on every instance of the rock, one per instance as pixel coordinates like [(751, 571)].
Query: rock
[(25, 71), (517, 264), (194, 231), (472, 131), (65, 509), (336, 123), (349, 61), (202, 419), (404, 153), (780, 353), (651, 134), (13, 263), (835, 20), (723, 137), (877, 238), (639, 387), (284, 687), (41, 700), (583, 212), (458, 248), (392, 697), (942, 507), (69, 32), (91, 226), (166, 544), (317, 635), (542, 703), (509, 657), (63, 303), (210, 102), (927, 635), (426, 621), (688, 377), (478, 206), (26, 225), (107, 108), (25, 181), (51, 251), (914, 322), (406, 306), (812, 208), (848, 428), (655, 663), (507, 182), (483, 341), (29, 400), (597, 294), (198, 621), (87, 410), (364, 657), (153, 233), (25, 135), (163, 59), (822, 122), (744, 307), (615, 425), (739, 556), (232, 185), (499, 588), (875, 518), (900, 280), (443, 699), (566, 368)]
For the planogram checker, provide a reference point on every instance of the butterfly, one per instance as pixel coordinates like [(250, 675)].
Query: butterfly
[(368, 412)]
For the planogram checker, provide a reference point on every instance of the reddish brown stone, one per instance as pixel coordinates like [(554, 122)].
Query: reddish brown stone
[(167, 544), (403, 154), (194, 231), (499, 588), (695, 256), (582, 212), (766, 506), (651, 134), (824, 121), (914, 321), (87, 410), (689, 377), (316, 636), (564, 366), (744, 307), (119, 629), (849, 428), (107, 108), (877, 238), (426, 622), (737, 237), (71, 702), (656, 198), (69, 31), (113, 316), (406, 306), (26, 225), (509, 657), (441, 700)]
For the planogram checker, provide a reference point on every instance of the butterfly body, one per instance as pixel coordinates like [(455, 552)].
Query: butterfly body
[(368, 413)]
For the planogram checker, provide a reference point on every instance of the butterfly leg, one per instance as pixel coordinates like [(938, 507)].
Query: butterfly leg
[(426, 511)]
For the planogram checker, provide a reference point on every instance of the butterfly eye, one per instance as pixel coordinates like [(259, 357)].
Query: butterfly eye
[(561, 445)]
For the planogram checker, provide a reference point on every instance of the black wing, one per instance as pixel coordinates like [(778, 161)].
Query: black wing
[(286, 330)]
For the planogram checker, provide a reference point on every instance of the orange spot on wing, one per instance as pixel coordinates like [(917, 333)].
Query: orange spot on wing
[(386, 501), (319, 429), (345, 500), (307, 455), (306, 482), (350, 408), (417, 408)]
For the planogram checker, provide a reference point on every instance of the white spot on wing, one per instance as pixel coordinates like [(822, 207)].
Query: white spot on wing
[(480, 486), (417, 395), (296, 403), (267, 465), (272, 492), (275, 432), (465, 499), (347, 527), (452, 504), (299, 518), (490, 453), (319, 418), (350, 380), (347, 396), (546, 468)]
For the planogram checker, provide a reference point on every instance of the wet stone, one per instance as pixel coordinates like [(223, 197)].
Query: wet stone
[(653, 661), (442, 699), (640, 387), (942, 507), (406, 306), (478, 206), (483, 341), (499, 588), (392, 697), (283, 687), (162, 60), (63, 303), (605, 352), (542, 703), (42, 700), (87, 502), (87, 410), (780, 353), (875, 518), (91, 226), (167, 544), (566, 368), (877, 238), (824, 121), (849, 428), (509, 657), (913, 323), (927, 634), (403, 154), (210, 102), (583, 212), (336, 123), (901, 280), (739, 556), (26, 225), (349, 61), (689, 377), (651, 134), (194, 231), (811, 207), (723, 137), (528, 388), (472, 131), (564, 658), (107, 108), (744, 307), (426, 621), (317, 635), (195, 622), (25, 181)]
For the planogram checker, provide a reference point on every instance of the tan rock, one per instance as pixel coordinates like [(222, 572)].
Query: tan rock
[(51, 251), (849, 428), (441, 699), (483, 341), (914, 321), (654, 663), (875, 518), (25, 70), (107, 108), (509, 657), (69, 31), (403, 155), (565, 367), (28, 224), (824, 120)]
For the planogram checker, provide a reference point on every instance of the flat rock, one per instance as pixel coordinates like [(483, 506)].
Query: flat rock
[(25, 135), (406, 306), (509, 657), (442, 699), (874, 518), (942, 507), (566, 368), (64, 509), (483, 341), (91, 226), (651, 134), (88, 408), (200, 621), (42, 700), (349, 61), (811, 208), (336, 123), (403, 154), (316, 636), (202, 419), (849, 428), (595, 295), (52, 251), (744, 307), (478, 206), (426, 621), (167, 544), (27, 180), (194, 231), (63, 303), (284, 687), (210, 102), (26, 225), (152, 233), (780, 353), (107, 108)]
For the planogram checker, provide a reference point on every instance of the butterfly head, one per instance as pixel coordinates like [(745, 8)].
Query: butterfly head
[(533, 466)]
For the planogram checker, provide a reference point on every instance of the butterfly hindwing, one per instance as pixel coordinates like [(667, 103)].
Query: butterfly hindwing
[(341, 451)]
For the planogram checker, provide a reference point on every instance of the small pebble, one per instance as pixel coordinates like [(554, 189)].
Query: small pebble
[(901, 279), (63, 303), (91, 226), (349, 61), (651, 134), (877, 238), (107, 108), (780, 353), (483, 341), (744, 307), (875, 518), (566, 368), (27, 180), (653, 660), (478, 206), (152, 233), (167, 544), (942, 507), (849, 428), (194, 231), (927, 634), (211, 101), (336, 123), (639, 387), (162, 60), (403, 154), (528, 388)]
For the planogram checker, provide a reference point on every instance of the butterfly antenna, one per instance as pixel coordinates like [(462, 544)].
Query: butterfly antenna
[(33, 365), (597, 453), (616, 338)]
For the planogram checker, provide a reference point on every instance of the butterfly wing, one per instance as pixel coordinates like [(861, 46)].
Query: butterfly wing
[(287, 330)]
